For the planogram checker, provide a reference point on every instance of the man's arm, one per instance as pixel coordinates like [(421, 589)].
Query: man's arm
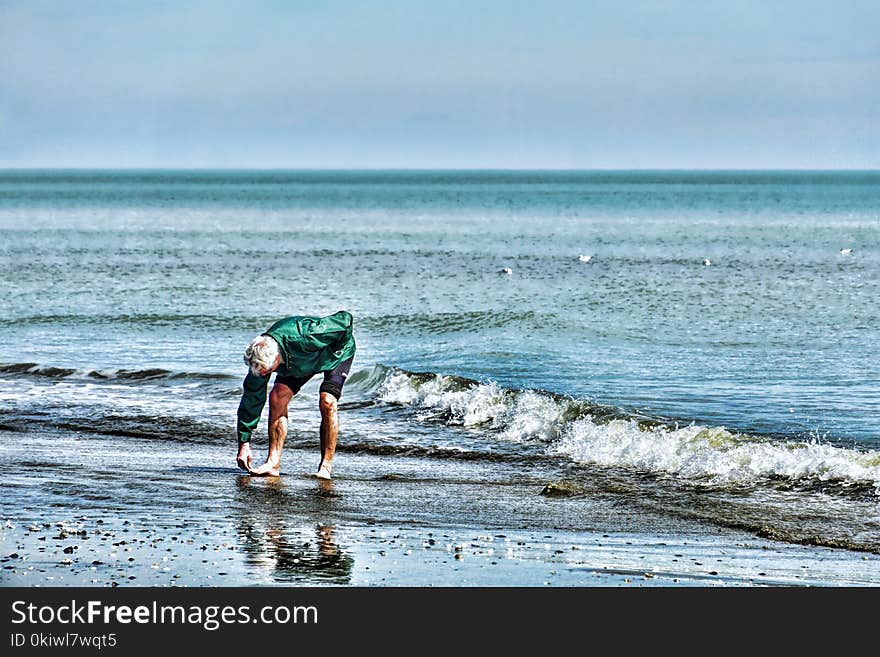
[(251, 406)]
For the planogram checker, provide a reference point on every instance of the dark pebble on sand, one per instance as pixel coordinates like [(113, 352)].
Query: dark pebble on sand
[(561, 489), (70, 549)]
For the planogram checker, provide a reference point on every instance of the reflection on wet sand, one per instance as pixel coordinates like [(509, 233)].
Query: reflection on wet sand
[(287, 553)]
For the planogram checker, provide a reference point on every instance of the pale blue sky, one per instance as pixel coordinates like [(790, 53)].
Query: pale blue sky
[(445, 84)]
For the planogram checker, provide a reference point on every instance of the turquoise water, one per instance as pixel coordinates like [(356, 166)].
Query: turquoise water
[(128, 298)]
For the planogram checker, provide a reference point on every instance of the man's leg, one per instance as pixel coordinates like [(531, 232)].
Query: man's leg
[(331, 391), (279, 398), (329, 432)]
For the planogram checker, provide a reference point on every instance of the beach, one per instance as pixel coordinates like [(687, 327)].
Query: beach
[(120, 512)]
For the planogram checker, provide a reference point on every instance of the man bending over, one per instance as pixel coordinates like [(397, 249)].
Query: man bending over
[(295, 348)]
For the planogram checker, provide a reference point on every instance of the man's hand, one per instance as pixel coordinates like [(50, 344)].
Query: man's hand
[(244, 457)]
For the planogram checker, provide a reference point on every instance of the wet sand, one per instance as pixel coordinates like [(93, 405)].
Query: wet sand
[(119, 511)]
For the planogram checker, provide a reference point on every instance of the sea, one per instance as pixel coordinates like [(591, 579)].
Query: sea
[(700, 343)]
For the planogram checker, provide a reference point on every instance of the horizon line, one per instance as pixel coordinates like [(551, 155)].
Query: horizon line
[(445, 169)]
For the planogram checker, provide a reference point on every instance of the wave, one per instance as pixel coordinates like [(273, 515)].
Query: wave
[(442, 323), (142, 320), (522, 423), (588, 433), (519, 415), (172, 428), (715, 454), (148, 374)]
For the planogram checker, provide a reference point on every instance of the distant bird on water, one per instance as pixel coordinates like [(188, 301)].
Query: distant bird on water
[(707, 262), (585, 258), (505, 270), (845, 251)]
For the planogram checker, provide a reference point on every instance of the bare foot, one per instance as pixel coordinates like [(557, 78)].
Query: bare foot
[(268, 469), (244, 458), (323, 472)]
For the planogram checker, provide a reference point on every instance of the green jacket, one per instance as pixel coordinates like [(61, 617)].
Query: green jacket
[(308, 345)]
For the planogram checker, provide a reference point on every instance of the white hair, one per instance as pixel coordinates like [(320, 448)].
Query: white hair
[(261, 354)]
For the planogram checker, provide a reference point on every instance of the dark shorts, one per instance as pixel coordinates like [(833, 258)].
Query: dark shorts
[(333, 379)]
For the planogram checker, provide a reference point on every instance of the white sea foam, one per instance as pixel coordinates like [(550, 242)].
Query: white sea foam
[(532, 415), (517, 416), (71, 397), (697, 451), (692, 451), (469, 407)]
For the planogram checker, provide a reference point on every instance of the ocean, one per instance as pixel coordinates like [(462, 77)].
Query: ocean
[(697, 345)]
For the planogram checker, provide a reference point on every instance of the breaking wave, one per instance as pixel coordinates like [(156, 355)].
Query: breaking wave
[(588, 433), (148, 374)]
